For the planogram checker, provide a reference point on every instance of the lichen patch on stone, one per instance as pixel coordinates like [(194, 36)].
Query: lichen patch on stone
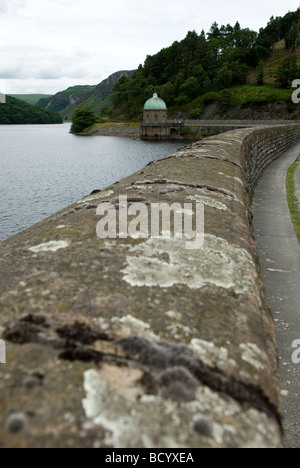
[(218, 142), (252, 354), (51, 246), (130, 422), (208, 202), (198, 150), (218, 263), (177, 330), (97, 196), (130, 326), (211, 354), (174, 315), (237, 179)]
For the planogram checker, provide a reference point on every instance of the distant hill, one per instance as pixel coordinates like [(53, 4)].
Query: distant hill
[(96, 97), (99, 97), (31, 99), (64, 99), (16, 111)]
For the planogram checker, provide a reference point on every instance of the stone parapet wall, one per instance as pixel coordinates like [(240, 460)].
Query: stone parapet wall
[(141, 342), (263, 146)]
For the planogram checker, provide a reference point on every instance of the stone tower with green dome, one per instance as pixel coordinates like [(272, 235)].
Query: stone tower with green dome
[(155, 111), (154, 126)]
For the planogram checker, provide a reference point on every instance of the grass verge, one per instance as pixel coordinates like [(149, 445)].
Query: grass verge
[(291, 195)]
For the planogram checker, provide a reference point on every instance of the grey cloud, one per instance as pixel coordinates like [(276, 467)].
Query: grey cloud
[(57, 43), (48, 75), (11, 73), (55, 72), (11, 6), (66, 2)]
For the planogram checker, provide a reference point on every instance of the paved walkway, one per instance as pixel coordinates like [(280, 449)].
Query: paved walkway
[(279, 252)]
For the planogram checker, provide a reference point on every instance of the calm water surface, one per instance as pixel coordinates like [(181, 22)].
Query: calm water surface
[(43, 169)]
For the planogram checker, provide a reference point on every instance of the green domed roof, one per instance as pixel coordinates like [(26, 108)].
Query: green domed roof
[(155, 103)]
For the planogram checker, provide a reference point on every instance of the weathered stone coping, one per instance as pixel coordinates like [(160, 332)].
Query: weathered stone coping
[(142, 343)]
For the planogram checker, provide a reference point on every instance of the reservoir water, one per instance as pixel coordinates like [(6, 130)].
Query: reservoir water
[(43, 169)]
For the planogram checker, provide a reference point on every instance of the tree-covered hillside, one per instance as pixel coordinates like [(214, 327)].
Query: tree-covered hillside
[(226, 57), (19, 112)]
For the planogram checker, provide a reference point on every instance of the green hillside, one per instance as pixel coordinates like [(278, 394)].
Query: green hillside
[(98, 97), (92, 100), (64, 99), (31, 99), (19, 112), (228, 66)]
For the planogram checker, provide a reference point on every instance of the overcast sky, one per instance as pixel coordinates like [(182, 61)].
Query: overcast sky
[(49, 45)]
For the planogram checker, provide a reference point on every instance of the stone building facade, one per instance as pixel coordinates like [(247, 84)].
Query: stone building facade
[(154, 126), (155, 111)]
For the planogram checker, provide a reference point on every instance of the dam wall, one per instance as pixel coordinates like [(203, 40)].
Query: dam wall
[(135, 341)]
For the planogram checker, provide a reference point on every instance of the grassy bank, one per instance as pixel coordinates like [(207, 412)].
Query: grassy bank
[(292, 199), (99, 126)]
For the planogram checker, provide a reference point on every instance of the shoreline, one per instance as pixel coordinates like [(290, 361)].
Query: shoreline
[(128, 131), (125, 131), (115, 130)]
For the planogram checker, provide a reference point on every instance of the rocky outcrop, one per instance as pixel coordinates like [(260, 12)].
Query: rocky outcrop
[(141, 342), (105, 88)]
